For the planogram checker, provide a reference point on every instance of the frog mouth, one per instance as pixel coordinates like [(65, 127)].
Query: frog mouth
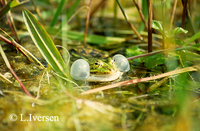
[(104, 77)]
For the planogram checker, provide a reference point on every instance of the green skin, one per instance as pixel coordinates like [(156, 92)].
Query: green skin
[(102, 67)]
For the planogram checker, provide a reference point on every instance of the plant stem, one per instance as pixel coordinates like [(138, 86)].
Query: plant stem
[(38, 11), (9, 6), (2, 38), (12, 71), (141, 14), (163, 21), (87, 23), (190, 21), (134, 81), (150, 26), (101, 4), (184, 13), (22, 86), (128, 21), (173, 12), (69, 14), (160, 51), (11, 24), (25, 52), (115, 14)]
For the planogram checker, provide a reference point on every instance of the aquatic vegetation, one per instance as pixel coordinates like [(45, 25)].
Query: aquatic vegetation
[(54, 46)]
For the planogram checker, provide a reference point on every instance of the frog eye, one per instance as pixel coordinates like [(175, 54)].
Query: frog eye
[(121, 63), (80, 70), (97, 64)]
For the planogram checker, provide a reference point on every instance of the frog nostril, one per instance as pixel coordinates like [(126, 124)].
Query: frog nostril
[(113, 61)]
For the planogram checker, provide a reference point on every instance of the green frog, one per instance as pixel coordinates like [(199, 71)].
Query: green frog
[(103, 70), (99, 69)]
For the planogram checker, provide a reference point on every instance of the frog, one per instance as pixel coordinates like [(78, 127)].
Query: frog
[(87, 52), (100, 69), (103, 70)]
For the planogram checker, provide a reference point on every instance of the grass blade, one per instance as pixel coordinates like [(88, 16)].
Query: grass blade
[(58, 11), (71, 11), (194, 37), (44, 43), (128, 82)]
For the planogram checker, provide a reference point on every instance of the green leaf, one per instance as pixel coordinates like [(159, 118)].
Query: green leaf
[(58, 12), (179, 30), (157, 25), (154, 60), (194, 37), (176, 31), (44, 43), (178, 42), (9, 6), (172, 61), (145, 13), (188, 58), (134, 51), (169, 33)]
